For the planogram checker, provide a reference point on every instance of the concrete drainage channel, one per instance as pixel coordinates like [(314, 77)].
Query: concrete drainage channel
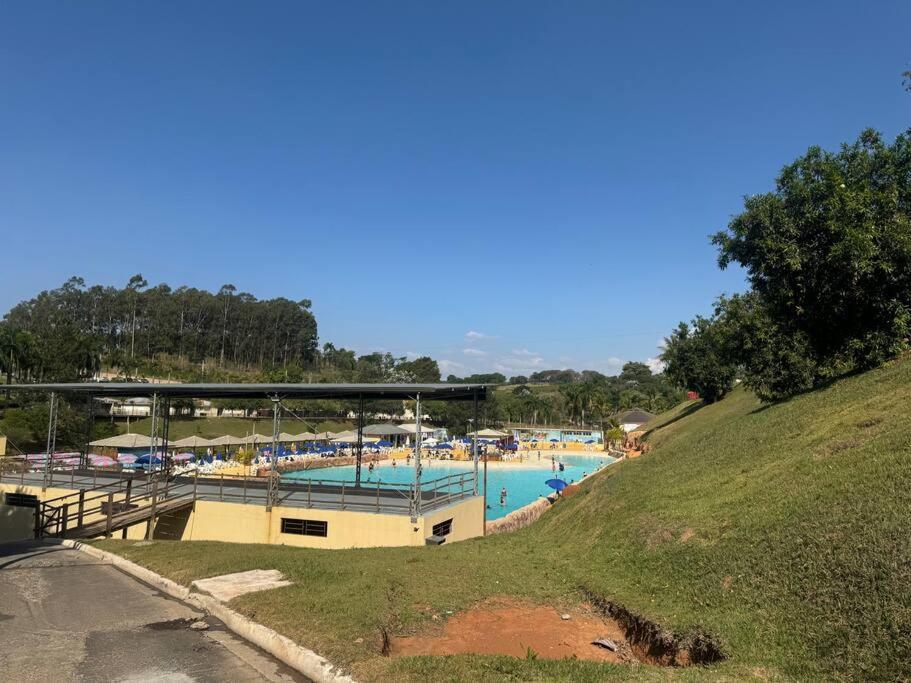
[(299, 658)]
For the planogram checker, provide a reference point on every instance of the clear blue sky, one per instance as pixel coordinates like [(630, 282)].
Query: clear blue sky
[(502, 185)]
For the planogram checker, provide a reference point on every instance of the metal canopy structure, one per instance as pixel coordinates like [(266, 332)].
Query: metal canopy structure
[(162, 394), (376, 392)]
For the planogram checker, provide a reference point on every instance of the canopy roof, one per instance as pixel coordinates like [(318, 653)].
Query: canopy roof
[(352, 438), (125, 441), (634, 416), (191, 442), (228, 440), (435, 392), (409, 428), (490, 434), (384, 430)]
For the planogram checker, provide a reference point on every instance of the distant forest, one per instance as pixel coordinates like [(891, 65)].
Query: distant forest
[(76, 331)]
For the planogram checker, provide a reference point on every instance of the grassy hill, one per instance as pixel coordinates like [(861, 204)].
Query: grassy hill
[(782, 531)]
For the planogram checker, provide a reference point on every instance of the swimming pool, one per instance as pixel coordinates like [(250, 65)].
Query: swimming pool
[(524, 483)]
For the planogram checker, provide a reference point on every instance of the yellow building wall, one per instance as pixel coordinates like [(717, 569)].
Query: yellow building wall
[(239, 523), (467, 520)]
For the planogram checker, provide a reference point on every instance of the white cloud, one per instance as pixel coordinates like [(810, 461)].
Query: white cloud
[(472, 334), (521, 361), (656, 365), (474, 352), (615, 363), (449, 366)]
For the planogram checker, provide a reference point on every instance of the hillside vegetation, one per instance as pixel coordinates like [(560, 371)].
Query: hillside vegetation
[(780, 530)]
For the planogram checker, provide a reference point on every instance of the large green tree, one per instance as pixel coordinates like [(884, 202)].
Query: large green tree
[(828, 255), (697, 358)]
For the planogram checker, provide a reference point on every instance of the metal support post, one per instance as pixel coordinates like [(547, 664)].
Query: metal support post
[(474, 443), (153, 433), (151, 523), (165, 430), (89, 424), (272, 484), (51, 442), (417, 459), (107, 526), (360, 440)]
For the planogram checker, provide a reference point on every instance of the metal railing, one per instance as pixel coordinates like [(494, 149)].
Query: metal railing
[(107, 503), (339, 494)]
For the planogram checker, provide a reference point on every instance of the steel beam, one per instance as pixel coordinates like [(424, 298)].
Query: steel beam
[(474, 444), (360, 440), (51, 441), (273, 472), (153, 434), (417, 458)]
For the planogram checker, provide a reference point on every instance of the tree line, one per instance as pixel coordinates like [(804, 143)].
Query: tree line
[(828, 258), (69, 332), (75, 331)]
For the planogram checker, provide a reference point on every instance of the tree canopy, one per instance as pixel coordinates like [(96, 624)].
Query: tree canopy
[(828, 258)]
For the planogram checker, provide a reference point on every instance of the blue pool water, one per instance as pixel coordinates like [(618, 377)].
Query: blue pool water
[(524, 483)]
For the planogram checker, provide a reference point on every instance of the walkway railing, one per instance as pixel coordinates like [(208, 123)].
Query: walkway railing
[(103, 508), (337, 494), (374, 495)]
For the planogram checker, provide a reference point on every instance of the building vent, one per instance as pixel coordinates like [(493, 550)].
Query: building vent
[(443, 528), (21, 500), (305, 527)]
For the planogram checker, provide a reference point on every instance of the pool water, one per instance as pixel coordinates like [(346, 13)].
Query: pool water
[(524, 483)]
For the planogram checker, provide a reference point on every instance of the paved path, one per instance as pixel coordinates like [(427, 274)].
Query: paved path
[(65, 616)]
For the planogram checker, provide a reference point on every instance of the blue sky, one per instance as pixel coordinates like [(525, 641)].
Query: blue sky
[(510, 186)]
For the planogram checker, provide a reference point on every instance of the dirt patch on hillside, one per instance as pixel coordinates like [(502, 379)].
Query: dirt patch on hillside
[(655, 645), (504, 626)]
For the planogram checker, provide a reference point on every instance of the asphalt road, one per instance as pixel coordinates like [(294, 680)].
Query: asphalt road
[(65, 616)]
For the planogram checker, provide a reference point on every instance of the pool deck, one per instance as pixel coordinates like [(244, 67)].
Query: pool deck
[(368, 497)]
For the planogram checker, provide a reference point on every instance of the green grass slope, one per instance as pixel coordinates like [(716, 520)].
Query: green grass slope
[(783, 531)]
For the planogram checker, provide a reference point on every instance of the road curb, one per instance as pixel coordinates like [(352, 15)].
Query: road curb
[(299, 658)]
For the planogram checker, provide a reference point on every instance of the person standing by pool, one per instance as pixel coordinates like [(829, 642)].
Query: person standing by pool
[(503, 497)]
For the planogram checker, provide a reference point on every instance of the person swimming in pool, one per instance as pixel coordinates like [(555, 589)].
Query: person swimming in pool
[(503, 497), (393, 463)]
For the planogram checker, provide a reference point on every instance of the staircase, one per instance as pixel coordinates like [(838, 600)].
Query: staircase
[(104, 509)]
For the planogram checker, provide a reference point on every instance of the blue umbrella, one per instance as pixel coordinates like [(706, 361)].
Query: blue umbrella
[(556, 484), (512, 447), (144, 460), (591, 441), (383, 443), (443, 447), (555, 440)]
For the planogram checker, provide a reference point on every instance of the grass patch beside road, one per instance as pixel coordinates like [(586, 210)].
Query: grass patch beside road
[(782, 531)]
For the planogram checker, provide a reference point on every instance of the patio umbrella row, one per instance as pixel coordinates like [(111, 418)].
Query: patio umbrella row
[(371, 434)]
